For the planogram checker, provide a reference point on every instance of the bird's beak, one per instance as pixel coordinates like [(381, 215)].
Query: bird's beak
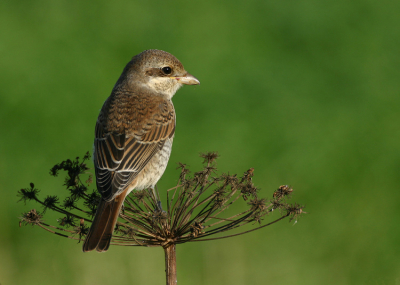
[(187, 79)]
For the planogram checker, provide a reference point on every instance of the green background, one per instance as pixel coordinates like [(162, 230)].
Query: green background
[(305, 91)]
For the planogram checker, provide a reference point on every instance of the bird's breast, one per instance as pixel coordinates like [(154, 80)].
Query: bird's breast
[(155, 168)]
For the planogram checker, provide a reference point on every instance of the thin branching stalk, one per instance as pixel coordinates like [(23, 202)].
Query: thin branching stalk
[(196, 209)]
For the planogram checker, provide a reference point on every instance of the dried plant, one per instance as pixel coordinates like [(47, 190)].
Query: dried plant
[(196, 209)]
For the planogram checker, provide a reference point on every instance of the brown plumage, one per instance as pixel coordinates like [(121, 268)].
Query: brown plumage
[(133, 136)]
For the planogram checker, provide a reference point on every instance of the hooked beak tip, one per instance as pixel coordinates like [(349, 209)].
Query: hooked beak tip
[(188, 79)]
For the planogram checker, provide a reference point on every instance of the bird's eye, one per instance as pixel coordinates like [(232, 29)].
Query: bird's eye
[(167, 70)]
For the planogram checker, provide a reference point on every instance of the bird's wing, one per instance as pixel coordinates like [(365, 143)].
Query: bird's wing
[(127, 137)]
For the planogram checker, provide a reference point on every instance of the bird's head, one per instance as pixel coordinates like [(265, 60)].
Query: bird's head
[(156, 71)]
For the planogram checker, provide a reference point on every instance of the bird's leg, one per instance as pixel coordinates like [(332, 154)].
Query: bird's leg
[(159, 205), (157, 197)]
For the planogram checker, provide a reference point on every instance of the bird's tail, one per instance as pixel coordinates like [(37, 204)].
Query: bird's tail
[(100, 233)]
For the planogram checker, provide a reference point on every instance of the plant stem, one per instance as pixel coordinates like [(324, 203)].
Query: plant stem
[(170, 264)]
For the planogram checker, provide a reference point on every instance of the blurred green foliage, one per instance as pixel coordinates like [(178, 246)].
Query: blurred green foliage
[(306, 92)]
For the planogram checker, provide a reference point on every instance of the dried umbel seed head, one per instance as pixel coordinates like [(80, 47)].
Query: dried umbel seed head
[(31, 218), (282, 191), (196, 207), (209, 157)]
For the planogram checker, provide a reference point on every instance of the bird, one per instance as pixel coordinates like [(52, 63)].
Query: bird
[(133, 136)]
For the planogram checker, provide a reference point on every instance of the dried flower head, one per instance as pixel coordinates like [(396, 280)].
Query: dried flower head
[(209, 157), (31, 218), (196, 208)]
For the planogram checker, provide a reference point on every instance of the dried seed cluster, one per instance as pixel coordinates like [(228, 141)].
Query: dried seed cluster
[(196, 207)]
